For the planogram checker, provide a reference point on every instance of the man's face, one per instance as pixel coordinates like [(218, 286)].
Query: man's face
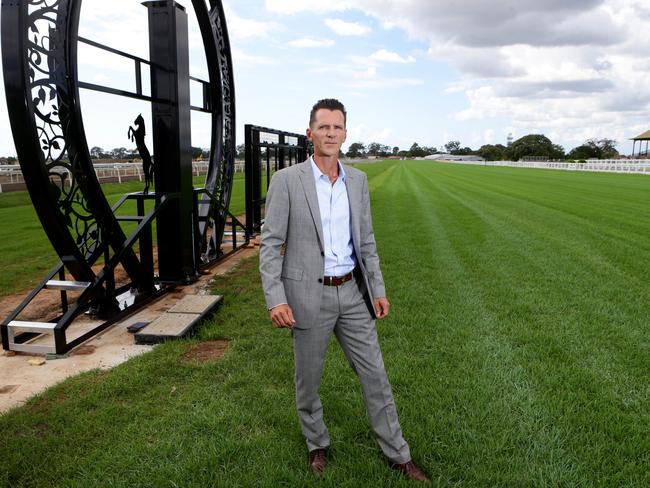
[(327, 132)]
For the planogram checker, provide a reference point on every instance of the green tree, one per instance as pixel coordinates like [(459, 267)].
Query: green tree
[(464, 151), (416, 151), (493, 152), (356, 150), (585, 151), (535, 145), (608, 148), (377, 149), (119, 153), (96, 152), (452, 146), (595, 148), (395, 150), (374, 149)]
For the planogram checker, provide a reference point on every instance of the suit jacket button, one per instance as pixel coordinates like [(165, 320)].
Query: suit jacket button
[(322, 253), (320, 280)]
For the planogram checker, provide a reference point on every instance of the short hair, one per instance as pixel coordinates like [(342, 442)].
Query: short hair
[(329, 104)]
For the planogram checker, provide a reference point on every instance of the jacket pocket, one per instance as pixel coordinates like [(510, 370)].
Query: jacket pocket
[(292, 273)]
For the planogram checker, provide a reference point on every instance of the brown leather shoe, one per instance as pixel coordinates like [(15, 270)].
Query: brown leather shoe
[(318, 461), (411, 471)]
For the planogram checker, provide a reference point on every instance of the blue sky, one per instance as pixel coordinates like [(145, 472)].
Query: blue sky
[(407, 70)]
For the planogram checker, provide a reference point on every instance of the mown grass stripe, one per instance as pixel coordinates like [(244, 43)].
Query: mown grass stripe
[(518, 348), (504, 387), (377, 181)]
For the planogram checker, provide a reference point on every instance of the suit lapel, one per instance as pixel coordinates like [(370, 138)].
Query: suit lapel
[(309, 186), (351, 185)]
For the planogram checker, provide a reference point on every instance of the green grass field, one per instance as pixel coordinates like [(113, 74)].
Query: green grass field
[(518, 347), (22, 238)]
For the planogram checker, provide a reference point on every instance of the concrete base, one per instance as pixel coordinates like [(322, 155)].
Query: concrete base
[(181, 320), (19, 380)]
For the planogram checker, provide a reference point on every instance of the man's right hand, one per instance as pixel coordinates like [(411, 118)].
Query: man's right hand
[(282, 316)]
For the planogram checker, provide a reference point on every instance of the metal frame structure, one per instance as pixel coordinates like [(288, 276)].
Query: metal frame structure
[(266, 151), (645, 136), (39, 53)]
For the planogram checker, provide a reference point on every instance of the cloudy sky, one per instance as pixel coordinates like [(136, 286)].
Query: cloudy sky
[(407, 70)]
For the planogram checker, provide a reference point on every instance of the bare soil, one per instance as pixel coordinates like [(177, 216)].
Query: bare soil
[(19, 380), (206, 352)]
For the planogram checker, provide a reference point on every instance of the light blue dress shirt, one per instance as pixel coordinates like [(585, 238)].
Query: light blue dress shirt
[(335, 218)]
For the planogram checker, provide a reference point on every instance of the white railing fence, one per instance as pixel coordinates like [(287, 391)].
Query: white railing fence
[(11, 176), (636, 166)]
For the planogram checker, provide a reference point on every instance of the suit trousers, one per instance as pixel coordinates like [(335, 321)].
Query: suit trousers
[(345, 312)]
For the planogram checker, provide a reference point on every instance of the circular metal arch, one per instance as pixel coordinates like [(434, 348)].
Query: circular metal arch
[(39, 53), (219, 179)]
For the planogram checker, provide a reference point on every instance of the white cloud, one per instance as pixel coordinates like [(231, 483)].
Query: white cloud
[(308, 42), (368, 74), (476, 62), (386, 82), (567, 68), (476, 23), (243, 58), (343, 28), (293, 6), (391, 57), (573, 69), (486, 138), (357, 75), (362, 132), (244, 28)]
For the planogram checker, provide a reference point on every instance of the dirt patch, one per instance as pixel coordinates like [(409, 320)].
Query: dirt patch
[(8, 389), (113, 346), (84, 350), (207, 352), (41, 429), (46, 306)]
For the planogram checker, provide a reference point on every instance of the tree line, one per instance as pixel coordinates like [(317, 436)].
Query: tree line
[(97, 152), (531, 145)]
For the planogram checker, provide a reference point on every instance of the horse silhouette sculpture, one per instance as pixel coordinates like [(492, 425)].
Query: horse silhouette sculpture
[(137, 135)]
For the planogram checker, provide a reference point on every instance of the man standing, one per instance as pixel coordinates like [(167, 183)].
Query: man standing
[(320, 273)]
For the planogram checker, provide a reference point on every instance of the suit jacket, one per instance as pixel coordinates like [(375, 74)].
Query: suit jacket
[(291, 248)]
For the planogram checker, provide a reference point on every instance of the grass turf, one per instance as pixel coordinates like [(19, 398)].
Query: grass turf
[(22, 238), (517, 347)]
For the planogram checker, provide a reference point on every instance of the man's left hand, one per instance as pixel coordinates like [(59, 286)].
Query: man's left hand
[(381, 307)]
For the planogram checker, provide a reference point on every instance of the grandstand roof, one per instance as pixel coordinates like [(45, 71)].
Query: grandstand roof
[(642, 137)]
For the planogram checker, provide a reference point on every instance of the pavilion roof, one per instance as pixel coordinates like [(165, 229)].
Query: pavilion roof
[(642, 137)]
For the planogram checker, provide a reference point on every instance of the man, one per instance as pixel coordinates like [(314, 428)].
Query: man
[(320, 273)]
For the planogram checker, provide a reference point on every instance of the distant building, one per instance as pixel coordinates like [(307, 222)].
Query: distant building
[(452, 157)]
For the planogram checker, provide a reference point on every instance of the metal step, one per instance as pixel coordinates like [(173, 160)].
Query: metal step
[(32, 327), (32, 348), (67, 285), (41, 327)]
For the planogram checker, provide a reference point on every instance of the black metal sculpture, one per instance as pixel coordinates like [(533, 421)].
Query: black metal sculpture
[(39, 52), (137, 135)]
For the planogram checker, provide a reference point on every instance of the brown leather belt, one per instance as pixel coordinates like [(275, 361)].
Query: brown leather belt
[(337, 280)]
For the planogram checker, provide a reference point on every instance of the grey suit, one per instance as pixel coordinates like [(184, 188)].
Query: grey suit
[(291, 267)]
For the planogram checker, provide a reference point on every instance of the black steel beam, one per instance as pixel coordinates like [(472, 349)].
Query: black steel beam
[(168, 52)]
